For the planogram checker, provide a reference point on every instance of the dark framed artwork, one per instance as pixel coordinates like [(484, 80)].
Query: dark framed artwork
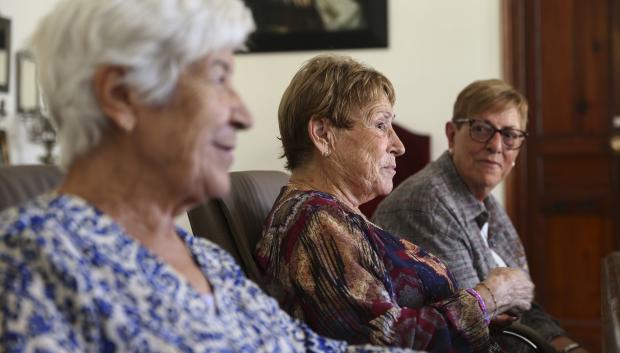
[(4, 148), (292, 25), (5, 53)]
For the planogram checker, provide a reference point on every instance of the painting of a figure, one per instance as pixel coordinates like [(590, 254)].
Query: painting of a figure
[(285, 25)]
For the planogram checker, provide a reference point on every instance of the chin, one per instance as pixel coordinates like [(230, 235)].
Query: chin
[(218, 186), (384, 189)]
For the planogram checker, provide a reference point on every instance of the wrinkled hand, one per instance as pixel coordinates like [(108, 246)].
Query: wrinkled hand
[(503, 320), (510, 287)]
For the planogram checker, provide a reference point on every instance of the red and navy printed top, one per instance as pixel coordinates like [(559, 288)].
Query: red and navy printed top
[(351, 280)]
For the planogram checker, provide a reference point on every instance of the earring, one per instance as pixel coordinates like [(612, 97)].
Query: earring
[(513, 164), (451, 150)]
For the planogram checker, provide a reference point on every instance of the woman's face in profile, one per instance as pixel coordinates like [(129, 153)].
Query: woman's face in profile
[(366, 154), (483, 165), (193, 136)]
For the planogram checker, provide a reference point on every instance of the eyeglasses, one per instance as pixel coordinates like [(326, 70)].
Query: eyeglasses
[(482, 131)]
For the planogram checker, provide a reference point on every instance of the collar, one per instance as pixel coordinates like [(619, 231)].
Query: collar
[(468, 207)]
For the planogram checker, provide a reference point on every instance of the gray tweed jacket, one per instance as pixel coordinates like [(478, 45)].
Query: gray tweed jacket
[(435, 209)]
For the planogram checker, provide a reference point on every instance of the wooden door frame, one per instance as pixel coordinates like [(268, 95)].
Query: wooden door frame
[(515, 55), (520, 26)]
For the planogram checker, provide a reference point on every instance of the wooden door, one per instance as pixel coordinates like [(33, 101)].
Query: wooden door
[(563, 195)]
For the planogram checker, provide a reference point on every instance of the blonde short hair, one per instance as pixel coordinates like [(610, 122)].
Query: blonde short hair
[(485, 96), (327, 86)]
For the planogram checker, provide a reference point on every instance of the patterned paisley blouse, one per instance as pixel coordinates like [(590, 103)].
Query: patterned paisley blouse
[(351, 280), (71, 280)]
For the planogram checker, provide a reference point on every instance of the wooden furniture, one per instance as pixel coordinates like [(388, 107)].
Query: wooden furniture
[(610, 300)]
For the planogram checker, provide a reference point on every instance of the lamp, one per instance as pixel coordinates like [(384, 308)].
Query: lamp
[(29, 108)]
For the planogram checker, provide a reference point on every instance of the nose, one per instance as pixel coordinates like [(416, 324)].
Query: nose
[(241, 118), (397, 147), (495, 144)]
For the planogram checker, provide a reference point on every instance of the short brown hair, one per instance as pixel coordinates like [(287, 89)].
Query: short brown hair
[(327, 86), (492, 95)]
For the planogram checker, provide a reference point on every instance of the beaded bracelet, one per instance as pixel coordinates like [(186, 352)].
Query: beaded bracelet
[(492, 297), (483, 306)]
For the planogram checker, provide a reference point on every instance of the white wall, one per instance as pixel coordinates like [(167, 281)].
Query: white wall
[(24, 15), (436, 47)]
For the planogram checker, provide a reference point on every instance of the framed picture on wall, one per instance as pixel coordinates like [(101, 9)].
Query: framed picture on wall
[(4, 148), (27, 87), (292, 25), (5, 53)]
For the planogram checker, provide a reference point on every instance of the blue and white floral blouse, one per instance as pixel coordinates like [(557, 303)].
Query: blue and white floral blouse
[(71, 280)]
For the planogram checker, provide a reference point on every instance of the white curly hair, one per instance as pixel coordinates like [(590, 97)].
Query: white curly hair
[(154, 40)]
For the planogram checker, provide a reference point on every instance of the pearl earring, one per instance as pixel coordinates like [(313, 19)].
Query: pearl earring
[(513, 164)]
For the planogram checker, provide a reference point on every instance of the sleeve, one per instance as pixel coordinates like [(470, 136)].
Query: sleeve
[(300, 331), (344, 294), (438, 232), (29, 321)]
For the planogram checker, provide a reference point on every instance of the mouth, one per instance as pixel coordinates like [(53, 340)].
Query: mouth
[(390, 168), (490, 163), (227, 147)]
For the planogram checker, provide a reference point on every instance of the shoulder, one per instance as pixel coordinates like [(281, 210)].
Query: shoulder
[(35, 225), (213, 257), (296, 207), (421, 192)]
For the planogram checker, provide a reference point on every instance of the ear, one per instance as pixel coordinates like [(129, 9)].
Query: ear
[(113, 97), (320, 133), (450, 132)]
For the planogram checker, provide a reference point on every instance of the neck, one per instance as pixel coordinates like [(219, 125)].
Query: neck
[(134, 195), (314, 176)]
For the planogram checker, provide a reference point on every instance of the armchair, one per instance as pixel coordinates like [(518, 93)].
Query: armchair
[(22, 182), (235, 223)]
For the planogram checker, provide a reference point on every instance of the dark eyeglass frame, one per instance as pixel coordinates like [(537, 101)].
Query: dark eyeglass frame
[(504, 133)]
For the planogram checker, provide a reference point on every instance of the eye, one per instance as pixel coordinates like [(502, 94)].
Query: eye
[(480, 127), (510, 134), (220, 79), (381, 125), (218, 75)]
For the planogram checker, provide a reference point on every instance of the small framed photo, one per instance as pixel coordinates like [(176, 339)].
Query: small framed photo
[(292, 25), (4, 148), (5, 53), (27, 87)]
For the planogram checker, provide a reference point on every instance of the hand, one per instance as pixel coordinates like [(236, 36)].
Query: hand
[(506, 290), (503, 320)]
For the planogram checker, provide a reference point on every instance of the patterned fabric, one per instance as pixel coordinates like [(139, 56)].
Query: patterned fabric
[(71, 280), (349, 279), (435, 209)]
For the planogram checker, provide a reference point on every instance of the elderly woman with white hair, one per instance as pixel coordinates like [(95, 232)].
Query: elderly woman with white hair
[(141, 94)]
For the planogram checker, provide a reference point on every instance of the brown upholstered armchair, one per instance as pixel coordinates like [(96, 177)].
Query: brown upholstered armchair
[(22, 182), (235, 222)]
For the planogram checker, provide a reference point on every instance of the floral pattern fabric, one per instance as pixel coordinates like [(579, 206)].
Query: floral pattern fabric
[(72, 280), (351, 280)]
